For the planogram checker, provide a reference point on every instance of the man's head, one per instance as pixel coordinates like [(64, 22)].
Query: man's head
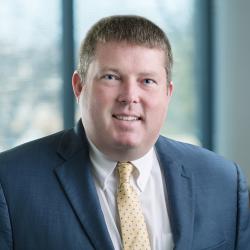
[(123, 85), (134, 30)]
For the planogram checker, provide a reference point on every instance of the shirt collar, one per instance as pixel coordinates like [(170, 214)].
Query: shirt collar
[(143, 166), (104, 167)]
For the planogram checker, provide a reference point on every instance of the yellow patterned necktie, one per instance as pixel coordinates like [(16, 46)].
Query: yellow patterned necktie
[(133, 227)]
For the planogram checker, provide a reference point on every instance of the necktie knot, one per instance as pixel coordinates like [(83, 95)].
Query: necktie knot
[(125, 170)]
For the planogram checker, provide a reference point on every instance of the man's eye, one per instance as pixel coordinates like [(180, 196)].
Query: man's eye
[(148, 81), (110, 77)]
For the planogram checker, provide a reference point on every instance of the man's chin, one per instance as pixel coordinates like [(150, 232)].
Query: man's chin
[(127, 142), (127, 145)]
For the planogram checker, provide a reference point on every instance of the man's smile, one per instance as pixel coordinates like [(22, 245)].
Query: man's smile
[(127, 117)]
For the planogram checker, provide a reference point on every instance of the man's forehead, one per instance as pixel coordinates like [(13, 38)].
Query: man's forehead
[(126, 44), (124, 50), (112, 56)]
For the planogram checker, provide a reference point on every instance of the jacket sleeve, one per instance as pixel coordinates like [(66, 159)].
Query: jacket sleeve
[(243, 227), (5, 226)]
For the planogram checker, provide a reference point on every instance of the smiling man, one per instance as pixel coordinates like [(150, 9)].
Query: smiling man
[(113, 182), (124, 98)]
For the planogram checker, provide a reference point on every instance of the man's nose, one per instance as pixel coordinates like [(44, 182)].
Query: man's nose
[(129, 92)]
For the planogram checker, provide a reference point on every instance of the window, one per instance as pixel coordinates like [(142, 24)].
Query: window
[(30, 75)]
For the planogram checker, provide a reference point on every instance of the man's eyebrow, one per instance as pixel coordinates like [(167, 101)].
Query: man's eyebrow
[(144, 73), (148, 73), (110, 69)]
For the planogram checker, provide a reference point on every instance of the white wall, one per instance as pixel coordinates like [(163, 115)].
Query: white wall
[(232, 81)]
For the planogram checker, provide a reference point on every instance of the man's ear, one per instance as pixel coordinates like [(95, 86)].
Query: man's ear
[(170, 88), (77, 84)]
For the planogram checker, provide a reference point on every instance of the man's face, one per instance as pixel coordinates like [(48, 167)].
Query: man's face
[(124, 100)]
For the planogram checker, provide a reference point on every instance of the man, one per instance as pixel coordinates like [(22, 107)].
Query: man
[(112, 182)]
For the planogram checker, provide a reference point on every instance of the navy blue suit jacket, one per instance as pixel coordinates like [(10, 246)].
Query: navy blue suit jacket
[(48, 199)]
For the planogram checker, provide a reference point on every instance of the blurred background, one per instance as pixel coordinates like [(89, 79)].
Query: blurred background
[(39, 42)]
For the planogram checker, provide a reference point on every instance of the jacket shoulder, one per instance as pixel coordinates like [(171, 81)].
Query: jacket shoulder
[(33, 155), (46, 142), (195, 157)]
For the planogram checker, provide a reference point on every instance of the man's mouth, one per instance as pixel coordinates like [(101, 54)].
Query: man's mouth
[(127, 117)]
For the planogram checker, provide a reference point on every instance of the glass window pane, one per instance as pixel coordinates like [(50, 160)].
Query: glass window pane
[(30, 77), (176, 18)]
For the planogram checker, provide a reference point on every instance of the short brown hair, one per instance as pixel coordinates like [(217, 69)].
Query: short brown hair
[(132, 29)]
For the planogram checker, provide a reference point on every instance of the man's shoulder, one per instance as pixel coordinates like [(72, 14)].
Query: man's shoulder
[(47, 143), (195, 157), (37, 154), (186, 149)]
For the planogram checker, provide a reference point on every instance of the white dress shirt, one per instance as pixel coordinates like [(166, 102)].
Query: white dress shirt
[(148, 181)]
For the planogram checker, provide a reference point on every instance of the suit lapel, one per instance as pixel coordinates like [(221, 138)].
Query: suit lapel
[(77, 181), (181, 200)]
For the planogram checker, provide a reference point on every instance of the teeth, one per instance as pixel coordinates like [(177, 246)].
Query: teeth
[(127, 118)]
